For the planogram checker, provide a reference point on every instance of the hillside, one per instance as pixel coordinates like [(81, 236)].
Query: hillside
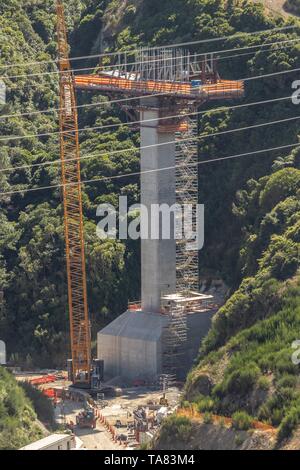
[(18, 424), (252, 203)]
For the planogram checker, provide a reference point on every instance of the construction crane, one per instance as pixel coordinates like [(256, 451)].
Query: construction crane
[(73, 217)]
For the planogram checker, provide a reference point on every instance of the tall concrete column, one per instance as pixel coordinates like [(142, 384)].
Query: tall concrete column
[(158, 257)]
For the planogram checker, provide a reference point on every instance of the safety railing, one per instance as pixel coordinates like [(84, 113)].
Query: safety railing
[(223, 88)]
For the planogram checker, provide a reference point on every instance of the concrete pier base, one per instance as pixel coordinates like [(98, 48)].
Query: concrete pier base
[(131, 345)]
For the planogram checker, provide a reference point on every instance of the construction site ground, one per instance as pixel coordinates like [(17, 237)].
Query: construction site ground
[(113, 410), (117, 409)]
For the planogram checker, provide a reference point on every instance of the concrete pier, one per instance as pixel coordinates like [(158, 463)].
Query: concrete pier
[(132, 345), (158, 260)]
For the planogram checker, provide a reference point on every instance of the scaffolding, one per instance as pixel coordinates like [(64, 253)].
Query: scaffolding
[(174, 339), (187, 269), (162, 64)]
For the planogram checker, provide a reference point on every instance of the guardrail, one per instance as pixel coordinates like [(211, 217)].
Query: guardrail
[(223, 88)]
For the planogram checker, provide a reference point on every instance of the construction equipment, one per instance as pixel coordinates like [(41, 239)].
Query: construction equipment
[(73, 220), (86, 419), (163, 401), (81, 372)]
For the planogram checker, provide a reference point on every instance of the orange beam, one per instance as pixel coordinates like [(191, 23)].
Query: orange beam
[(219, 90)]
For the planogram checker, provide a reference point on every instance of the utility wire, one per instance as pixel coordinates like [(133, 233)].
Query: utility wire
[(47, 134), (138, 149), (125, 175), (119, 66), (190, 43), (88, 105), (195, 113), (246, 79)]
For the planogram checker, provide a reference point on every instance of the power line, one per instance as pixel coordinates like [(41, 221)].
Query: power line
[(269, 49), (138, 149), (52, 110), (125, 175), (110, 67), (30, 136), (269, 74), (88, 105), (190, 43)]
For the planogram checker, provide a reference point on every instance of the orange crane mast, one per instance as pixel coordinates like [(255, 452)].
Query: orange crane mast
[(73, 217)]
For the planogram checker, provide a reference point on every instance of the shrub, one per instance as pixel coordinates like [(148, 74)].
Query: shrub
[(18, 424), (185, 404), (42, 405), (287, 381), (207, 418), (279, 186), (241, 421), (205, 404), (277, 416), (289, 423), (176, 428), (241, 381), (263, 383)]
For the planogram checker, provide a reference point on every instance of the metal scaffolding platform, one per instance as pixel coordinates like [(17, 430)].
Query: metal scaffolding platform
[(174, 339), (187, 270)]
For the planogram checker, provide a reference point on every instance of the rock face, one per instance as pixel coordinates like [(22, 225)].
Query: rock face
[(215, 437), (201, 385)]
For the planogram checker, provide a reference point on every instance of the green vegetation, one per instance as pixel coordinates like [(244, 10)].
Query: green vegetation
[(207, 418), (41, 404), (241, 421), (205, 404), (33, 314), (263, 383), (17, 418), (289, 423), (293, 6), (176, 429)]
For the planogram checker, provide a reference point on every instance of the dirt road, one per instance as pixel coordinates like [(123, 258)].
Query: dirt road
[(92, 439), (96, 439)]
